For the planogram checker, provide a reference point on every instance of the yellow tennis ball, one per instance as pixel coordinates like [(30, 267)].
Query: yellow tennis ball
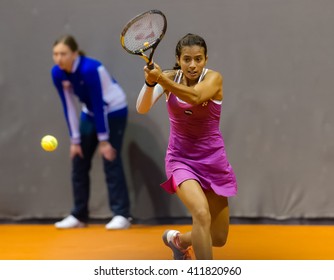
[(146, 44), (49, 143)]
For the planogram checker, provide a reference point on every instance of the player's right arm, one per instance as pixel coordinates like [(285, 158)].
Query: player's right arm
[(148, 96)]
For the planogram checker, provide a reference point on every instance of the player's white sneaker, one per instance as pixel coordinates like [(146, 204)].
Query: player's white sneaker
[(169, 239), (118, 222), (69, 222)]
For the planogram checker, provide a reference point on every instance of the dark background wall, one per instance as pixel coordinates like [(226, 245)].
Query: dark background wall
[(277, 59)]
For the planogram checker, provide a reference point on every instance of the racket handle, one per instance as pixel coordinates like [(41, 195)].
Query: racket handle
[(150, 65)]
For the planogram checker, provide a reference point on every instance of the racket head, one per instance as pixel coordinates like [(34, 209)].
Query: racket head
[(144, 32)]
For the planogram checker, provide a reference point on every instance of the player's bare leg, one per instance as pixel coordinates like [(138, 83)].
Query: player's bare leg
[(193, 197)]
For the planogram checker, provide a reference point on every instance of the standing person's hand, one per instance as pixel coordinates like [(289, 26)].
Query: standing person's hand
[(107, 151), (75, 150)]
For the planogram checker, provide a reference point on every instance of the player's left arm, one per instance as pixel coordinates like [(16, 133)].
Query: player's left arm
[(211, 87)]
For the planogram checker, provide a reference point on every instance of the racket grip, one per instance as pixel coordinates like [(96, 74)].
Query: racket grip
[(150, 65)]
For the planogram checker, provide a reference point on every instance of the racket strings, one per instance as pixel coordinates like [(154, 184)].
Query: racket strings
[(144, 32)]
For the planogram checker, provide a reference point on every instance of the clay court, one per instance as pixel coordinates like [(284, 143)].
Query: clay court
[(143, 242)]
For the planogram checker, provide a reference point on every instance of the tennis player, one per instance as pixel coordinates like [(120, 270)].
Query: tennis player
[(196, 163)]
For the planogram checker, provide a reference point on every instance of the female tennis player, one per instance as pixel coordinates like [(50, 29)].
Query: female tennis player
[(196, 163)]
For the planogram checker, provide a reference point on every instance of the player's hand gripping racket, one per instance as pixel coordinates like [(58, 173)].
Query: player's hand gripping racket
[(144, 32)]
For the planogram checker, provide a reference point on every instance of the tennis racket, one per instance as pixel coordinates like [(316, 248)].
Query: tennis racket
[(143, 33)]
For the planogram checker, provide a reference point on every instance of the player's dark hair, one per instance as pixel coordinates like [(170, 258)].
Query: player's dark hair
[(69, 41), (188, 41)]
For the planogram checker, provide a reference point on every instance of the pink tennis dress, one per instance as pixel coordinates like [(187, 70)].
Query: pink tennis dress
[(196, 147)]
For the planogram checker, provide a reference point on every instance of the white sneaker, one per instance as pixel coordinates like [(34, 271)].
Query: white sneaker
[(70, 222), (118, 222)]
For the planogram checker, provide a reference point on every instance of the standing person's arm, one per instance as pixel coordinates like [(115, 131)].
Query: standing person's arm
[(93, 82), (67, 98)]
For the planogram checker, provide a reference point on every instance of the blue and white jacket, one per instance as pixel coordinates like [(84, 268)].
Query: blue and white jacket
[(99, 93)]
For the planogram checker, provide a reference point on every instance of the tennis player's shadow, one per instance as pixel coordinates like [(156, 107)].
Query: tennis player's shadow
[(147, 175)]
